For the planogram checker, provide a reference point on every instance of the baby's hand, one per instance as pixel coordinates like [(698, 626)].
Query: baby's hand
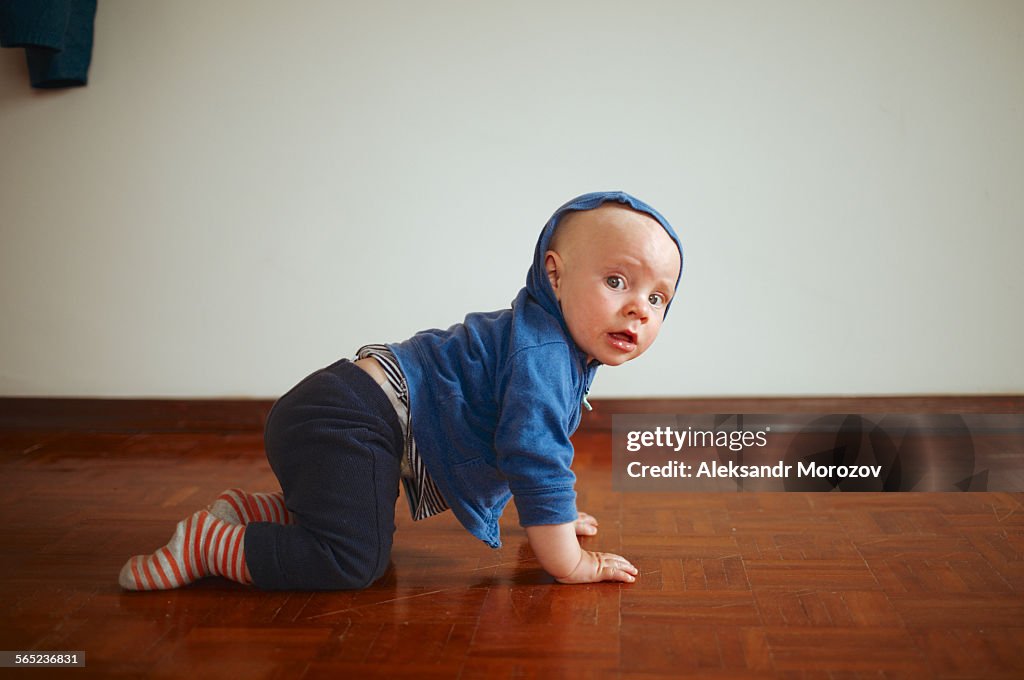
[(558, 550), (586, 525), (599, 566)]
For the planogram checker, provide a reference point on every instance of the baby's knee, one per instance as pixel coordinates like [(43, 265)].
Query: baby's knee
[(352, 576), (376, 574), (367, 568), (348, 564)]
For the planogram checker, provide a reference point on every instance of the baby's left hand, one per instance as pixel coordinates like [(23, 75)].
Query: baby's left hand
[(586, 525)]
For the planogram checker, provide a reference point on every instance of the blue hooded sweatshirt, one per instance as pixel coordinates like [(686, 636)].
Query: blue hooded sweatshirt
[(493, 400)]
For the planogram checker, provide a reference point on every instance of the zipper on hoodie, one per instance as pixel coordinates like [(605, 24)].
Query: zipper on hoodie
[(586, 387)]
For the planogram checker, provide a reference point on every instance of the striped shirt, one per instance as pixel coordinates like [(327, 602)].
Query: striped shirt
[(424, 498)]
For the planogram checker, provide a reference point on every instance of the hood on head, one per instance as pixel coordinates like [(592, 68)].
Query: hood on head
[(537, 283)]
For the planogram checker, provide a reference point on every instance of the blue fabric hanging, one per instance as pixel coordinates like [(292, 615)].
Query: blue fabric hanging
[(56, 35)]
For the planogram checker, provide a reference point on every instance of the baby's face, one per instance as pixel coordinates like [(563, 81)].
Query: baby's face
[(613, 271)]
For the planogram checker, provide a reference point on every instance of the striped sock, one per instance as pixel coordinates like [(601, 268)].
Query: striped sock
[(241, 507), (202, 545)]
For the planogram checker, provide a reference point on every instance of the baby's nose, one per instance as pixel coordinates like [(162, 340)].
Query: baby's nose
[(637, 307)]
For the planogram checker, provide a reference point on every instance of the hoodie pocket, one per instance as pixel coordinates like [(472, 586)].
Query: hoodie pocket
[(482, 486)]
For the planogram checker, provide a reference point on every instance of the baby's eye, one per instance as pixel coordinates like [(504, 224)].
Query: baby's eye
[(614, 282), (656, 300)]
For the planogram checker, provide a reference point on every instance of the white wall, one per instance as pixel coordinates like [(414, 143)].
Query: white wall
[(247, 190)]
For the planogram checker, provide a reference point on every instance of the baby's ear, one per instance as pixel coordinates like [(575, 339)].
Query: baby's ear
[(553, 266)]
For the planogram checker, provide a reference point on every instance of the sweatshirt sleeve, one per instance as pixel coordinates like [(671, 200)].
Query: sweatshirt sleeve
[(532, 436)]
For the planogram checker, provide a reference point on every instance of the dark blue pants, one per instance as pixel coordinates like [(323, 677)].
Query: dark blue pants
[(335, 444)]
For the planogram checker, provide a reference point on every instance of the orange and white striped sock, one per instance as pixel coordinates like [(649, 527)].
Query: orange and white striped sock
[(202, 545), (241, 507)]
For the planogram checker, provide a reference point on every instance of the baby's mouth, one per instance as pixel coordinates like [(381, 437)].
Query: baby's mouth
[(623, 340)]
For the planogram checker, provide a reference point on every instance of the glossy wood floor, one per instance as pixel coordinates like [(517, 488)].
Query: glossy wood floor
[(732, 585)]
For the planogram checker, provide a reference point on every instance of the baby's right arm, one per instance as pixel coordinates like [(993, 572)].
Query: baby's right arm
[(559, 552)]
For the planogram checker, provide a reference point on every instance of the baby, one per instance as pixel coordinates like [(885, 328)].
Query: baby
[(466, 418)]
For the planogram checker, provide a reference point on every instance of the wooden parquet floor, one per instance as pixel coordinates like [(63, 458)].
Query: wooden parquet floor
[(751, 585)]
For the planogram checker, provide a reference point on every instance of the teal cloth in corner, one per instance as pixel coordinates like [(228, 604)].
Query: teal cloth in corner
[(56, 35)]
